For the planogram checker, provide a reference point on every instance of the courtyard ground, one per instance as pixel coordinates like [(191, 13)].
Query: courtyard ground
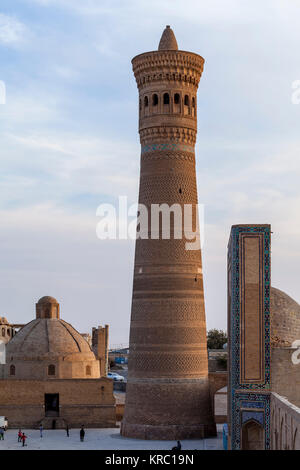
[(97, 439)]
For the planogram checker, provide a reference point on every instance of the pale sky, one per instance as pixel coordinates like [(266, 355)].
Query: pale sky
[(69, 142)]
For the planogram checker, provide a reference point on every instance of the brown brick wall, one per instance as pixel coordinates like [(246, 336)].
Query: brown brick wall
[(81, 401), (285, 375), (168, 391), (285, 318)]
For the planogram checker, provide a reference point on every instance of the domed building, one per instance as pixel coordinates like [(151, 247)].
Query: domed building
[(7, 331), (285, 319), (285, 330), (49, 347), (52, 376)]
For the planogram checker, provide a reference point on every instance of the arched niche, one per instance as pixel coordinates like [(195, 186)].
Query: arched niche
[(252, 436)]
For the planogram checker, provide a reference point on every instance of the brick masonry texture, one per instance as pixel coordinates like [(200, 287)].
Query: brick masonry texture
[(45, 342), (285, 374), (48, 356), (168, 390), (285, 428), (285, 319), (88, 401)]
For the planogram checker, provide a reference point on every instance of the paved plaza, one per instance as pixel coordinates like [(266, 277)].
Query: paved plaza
[(98, 439)]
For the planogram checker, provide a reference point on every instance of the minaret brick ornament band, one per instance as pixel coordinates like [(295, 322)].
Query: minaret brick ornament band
[(168, 390)]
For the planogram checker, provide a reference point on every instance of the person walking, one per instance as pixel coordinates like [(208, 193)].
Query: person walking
[(41, 431), (24, 437), (82, 434), (19, 435), (67, 430), (1, 434)]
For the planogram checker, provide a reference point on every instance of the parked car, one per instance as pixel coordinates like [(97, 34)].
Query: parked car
[(116, 377)]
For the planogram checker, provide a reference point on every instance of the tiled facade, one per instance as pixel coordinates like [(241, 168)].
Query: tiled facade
[(249, 331)]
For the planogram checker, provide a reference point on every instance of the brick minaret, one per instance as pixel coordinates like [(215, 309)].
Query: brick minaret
[(167, 391)]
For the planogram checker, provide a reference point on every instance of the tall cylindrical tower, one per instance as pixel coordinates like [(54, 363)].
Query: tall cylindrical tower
[(168, 390)]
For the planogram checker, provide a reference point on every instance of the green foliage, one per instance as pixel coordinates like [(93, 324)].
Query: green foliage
[(216, 339)]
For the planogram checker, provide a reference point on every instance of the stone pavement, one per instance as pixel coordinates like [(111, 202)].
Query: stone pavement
[(97, 439)]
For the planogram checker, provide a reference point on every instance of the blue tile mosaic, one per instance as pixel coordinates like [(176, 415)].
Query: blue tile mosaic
[(257, 395)]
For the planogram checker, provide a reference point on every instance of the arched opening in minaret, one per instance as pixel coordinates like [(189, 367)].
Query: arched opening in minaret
[(155, 100), (146, 106), (193, 107), (186, 108), (166, 102), (154, 103), (176, 107), (12, 370)]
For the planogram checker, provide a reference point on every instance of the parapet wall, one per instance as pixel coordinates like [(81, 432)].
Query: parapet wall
[(285, 424)]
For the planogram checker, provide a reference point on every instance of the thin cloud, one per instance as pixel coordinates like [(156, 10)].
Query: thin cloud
[(12, 31)]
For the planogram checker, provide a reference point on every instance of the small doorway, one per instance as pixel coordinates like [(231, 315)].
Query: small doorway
[(51, 404), (252, 436)]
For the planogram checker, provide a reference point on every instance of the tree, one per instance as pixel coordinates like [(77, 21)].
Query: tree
[(216, 339)]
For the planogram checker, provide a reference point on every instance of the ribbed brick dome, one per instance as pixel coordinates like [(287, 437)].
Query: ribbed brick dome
[(49, 347), (285, 319), (48, 337)]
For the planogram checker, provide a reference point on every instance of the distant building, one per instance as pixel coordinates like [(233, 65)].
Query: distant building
[(7, 331), (100, 347), (88, 338), (52, 376), (119, 356)]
